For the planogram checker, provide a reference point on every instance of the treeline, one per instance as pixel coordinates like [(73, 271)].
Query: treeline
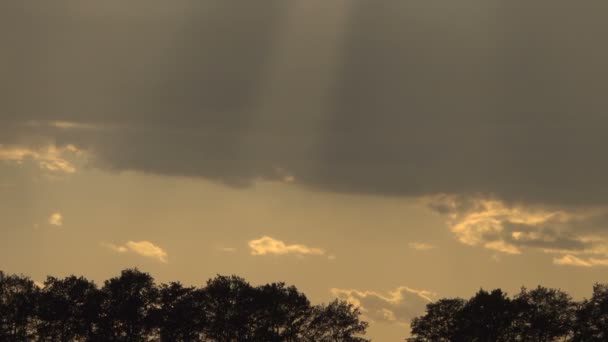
[(538, 315), (131, 307)]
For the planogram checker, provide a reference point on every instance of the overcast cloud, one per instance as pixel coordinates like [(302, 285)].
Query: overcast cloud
[(470, 97)]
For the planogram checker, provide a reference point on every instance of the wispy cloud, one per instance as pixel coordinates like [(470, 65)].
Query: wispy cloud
[(65, 125), (270, 246), (571, 260), (50, 158), (143, 248), (56, 219), (398, 306), (420, 246)]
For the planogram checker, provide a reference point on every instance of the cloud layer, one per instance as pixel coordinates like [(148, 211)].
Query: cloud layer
[(472, 98)]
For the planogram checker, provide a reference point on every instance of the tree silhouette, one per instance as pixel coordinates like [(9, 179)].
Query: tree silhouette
[(439, 324), (131, 307), (543, 314), (181, 315), (539, 315), (127, 303), (336, 322), (281, 313), (486, 317), (591, 322), (18, 297), (67, 309), (229, 304)]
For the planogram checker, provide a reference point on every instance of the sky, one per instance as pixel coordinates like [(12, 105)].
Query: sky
[(388, 153)]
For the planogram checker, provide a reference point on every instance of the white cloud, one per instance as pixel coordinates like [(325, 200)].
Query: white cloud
[(143, 248), (420, 246), (50, 158), (269, 246), (398, 306), (56, 219), (227, 249)]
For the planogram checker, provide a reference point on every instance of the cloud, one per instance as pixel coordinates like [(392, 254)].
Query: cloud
[(445, 103), (571, 260), (269, 246), (142, 248), (502, 246), (420, 246), (56, 219), (514, 228), (50, 158), (64, 125), (398, 306), (115, 248)]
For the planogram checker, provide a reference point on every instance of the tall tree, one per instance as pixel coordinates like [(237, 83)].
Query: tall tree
[(229, 305), (128, 302), (281, 313), (591, 322), (17, 307), (338, 321), (439, 324), (181, 316), (543, 314), (486, 317), (68, 309)]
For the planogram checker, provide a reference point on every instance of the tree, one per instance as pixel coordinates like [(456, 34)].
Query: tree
[(336, 322), (280, 313), (128, 302), (543, 314), (486, 317), (439, 324), (68, 309), (591, 321), (181, 315), (132, 308), (229, 305), (17, 307)]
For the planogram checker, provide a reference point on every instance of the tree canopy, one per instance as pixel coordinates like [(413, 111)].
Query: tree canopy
[(538, 315), (132, 307)]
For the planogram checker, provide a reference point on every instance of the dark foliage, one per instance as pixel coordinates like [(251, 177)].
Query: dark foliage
[(133, 308), (538, 315)]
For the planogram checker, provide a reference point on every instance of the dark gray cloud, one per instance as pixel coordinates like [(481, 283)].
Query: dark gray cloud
[(460, 97)]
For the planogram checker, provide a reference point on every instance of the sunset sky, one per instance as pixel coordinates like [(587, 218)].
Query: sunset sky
[(385, 152)]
